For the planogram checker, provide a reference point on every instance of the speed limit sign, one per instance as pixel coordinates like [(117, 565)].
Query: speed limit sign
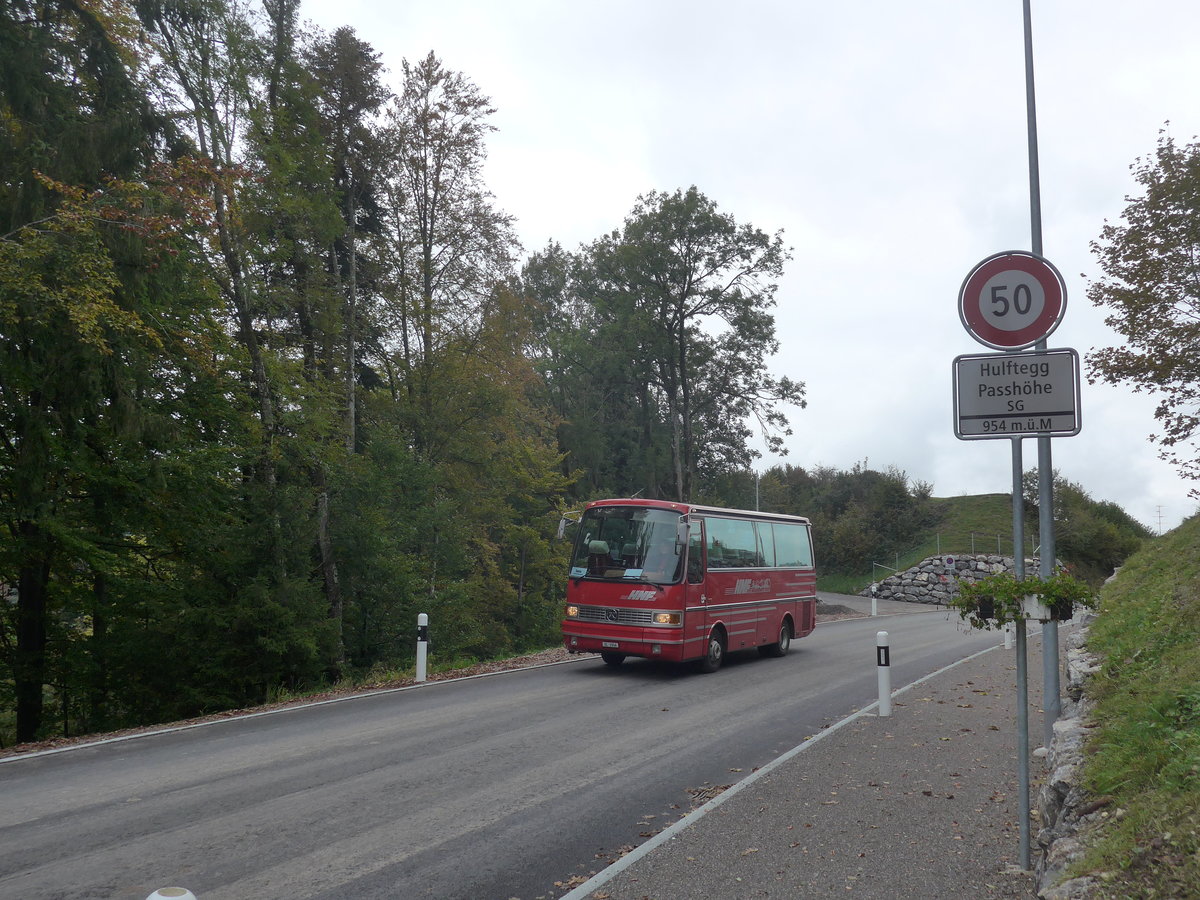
[(1012, 300)]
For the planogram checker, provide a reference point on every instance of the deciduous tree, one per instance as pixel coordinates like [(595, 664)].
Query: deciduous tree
[(1151, 292), (684, 294), (449, 244)]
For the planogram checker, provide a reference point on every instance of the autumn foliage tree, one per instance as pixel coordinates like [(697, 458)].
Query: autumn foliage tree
[(1151, 292)]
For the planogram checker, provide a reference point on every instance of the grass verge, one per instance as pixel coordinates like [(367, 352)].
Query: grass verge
[(1145, 750)]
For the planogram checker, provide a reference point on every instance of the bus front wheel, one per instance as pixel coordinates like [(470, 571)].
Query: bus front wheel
[(612, 659), (716, 652)]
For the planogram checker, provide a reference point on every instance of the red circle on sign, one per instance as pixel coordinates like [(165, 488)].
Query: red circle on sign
[(992, 291)]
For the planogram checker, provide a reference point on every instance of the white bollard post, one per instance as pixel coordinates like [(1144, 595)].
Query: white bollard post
[(1008, 635), (422, 644), (874, 600), (174, 893), (883, 664)]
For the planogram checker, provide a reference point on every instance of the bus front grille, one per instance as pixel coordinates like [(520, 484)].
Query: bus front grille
[(615, 615)]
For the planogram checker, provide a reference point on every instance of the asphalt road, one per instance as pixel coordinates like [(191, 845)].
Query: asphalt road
[(493, 787)]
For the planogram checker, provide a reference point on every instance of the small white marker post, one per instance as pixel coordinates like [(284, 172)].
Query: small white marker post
[(883, 664), (874, 599), (422, 644)]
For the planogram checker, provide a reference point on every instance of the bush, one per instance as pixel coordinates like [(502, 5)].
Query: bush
[(995, 601)]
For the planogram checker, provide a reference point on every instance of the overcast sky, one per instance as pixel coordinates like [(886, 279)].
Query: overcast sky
[(887, 140)]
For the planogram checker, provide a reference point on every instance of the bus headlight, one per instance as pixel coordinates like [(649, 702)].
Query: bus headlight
[(572, 612), (666, 618)]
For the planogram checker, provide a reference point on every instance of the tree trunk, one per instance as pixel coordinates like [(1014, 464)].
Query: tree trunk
[(351, 301), (97, 685), (329, 572), (521, 576), (675, 420), (677, 453), (685, 415), (29, 661), (650, 469)]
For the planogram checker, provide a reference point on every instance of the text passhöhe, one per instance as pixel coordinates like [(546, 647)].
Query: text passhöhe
[(1014, 388)]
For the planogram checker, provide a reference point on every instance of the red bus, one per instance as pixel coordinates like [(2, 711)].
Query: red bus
[(681, 582)]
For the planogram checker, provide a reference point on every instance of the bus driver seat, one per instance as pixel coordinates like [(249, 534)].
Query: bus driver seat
[(598, 560)]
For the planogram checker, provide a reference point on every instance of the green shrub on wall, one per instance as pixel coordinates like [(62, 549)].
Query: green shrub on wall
[(995, 601)]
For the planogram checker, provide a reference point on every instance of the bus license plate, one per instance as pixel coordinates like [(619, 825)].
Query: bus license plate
[(607, 644)]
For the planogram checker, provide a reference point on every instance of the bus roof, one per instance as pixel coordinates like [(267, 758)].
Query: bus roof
[(687, 508)]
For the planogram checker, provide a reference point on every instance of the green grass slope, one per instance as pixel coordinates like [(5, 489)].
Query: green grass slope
[(980, 524), (1145, 750)]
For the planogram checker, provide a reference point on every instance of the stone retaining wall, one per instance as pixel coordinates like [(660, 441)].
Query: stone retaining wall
[(932, 581), (1065, 808)]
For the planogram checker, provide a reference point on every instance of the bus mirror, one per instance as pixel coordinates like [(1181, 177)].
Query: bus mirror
[(681, 537), (567, 518)]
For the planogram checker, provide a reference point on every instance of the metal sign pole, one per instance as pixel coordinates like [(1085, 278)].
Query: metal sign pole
[(1023, 743), (1050, 685), (1012, 301), (1035, 184), (1018, 518)]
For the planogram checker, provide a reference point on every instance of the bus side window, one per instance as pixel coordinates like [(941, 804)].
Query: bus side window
[(766, 545), (731, 544), (793, 546), (695, 565)]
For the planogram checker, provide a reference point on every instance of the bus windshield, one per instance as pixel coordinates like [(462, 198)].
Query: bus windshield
[(628, 543)]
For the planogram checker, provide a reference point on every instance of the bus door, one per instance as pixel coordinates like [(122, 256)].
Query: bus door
[(735, 582), (771, 614), (695, 619)]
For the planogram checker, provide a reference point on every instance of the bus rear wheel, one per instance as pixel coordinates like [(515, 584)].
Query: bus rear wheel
[(716, 652), (780, 647), (612, 659)]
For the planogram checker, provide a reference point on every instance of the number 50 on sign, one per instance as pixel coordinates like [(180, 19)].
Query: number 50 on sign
[(1012, 300)]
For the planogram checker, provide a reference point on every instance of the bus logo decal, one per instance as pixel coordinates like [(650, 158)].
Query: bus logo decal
[(752, 585)]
